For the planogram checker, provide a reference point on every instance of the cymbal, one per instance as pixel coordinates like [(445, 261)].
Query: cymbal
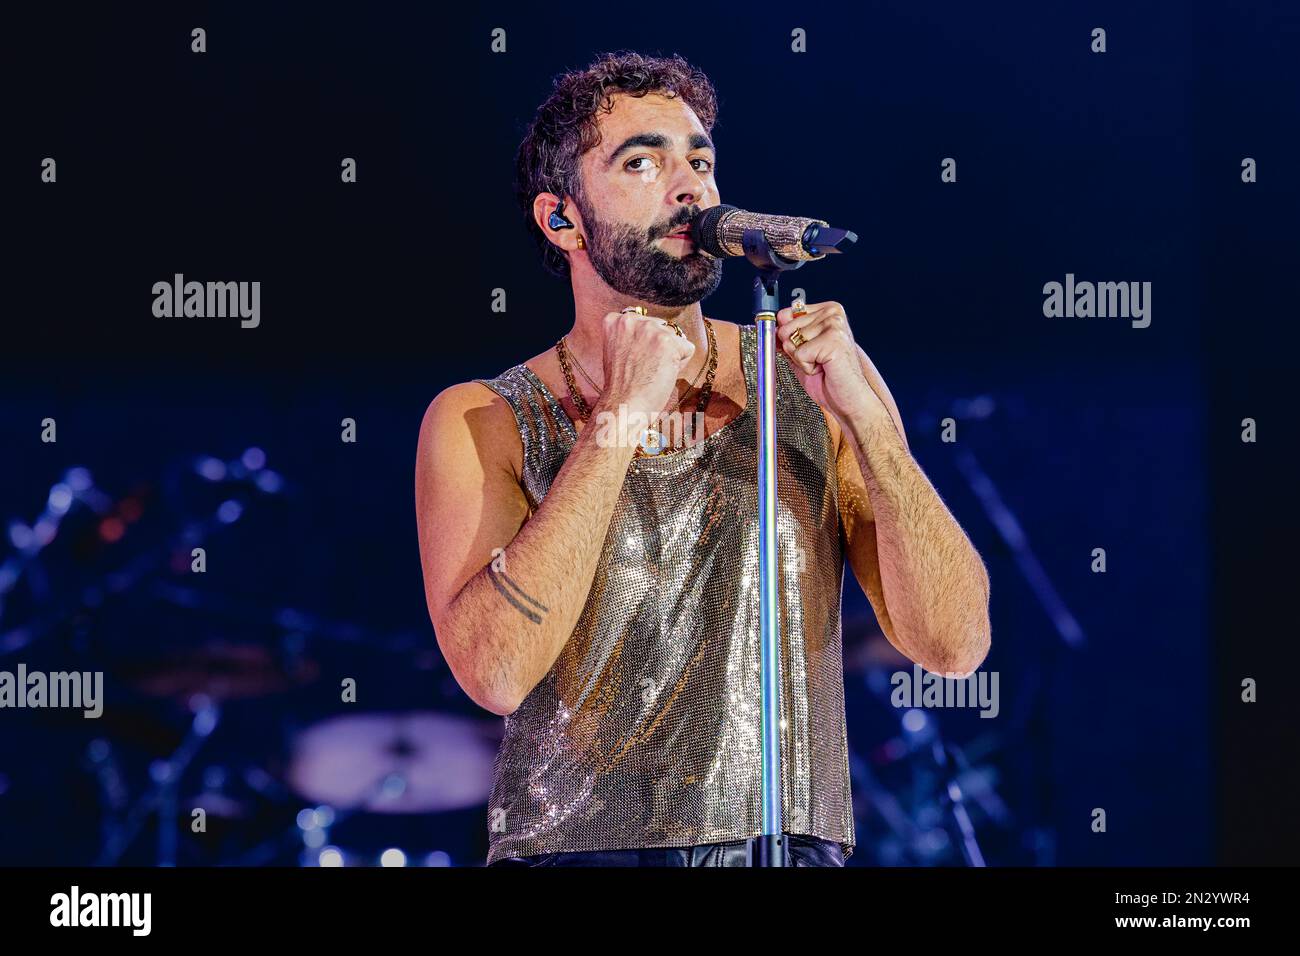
[(220, 670), (419, 762)]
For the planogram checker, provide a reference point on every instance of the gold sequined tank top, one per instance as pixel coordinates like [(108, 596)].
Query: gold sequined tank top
[(645, 731)]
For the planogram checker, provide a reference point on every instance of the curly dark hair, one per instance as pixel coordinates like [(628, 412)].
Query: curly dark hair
[(564, 127)]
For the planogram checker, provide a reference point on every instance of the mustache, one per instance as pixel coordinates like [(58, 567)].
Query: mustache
[(678, 220)]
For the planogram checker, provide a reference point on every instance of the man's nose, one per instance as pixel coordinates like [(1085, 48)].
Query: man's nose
[(688, 186)]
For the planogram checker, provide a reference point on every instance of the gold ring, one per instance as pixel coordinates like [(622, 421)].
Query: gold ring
[(796, 338), (638, 309)]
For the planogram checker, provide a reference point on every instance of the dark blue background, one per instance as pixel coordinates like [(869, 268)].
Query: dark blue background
[(1122, 166)]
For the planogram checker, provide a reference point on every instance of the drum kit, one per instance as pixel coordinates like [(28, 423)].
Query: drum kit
[(230, 746), (920, 798), (203, 756)]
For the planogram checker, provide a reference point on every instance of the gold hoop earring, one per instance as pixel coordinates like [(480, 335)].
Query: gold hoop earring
[(581, 243)]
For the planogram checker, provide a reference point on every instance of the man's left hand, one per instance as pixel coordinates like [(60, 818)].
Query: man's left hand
[(826, 361)]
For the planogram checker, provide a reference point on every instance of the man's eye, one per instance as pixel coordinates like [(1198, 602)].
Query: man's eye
[(637, 159), (701, 159)]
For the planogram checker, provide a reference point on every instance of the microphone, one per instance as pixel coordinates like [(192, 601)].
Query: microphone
[(719, 231)]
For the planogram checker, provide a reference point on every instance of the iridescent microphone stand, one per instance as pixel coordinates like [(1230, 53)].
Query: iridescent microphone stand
[(817, 240)]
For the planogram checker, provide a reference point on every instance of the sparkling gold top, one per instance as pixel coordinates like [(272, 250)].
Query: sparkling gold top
[(645, 732)]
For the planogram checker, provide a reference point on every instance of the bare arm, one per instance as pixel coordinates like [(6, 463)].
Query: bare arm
[(916, 565), (502, 616)]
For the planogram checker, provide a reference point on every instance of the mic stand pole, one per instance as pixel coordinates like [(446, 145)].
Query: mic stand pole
[(771, 843), (818, 239)]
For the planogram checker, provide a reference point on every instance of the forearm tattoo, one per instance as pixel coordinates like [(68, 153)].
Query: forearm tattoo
[(509, 589)]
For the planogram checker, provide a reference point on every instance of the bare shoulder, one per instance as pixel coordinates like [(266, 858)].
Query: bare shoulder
[(470, 417), (730, 329), (729, 343)]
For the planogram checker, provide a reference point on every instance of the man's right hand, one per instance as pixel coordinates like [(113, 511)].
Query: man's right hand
[(643, 359)]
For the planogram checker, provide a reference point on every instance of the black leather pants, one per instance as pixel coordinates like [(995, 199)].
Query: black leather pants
[(800, 851)]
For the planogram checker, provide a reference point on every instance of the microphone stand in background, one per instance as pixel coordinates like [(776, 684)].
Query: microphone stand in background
[(1004, 521), (1008, 527)]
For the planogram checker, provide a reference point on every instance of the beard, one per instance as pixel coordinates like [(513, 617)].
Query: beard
[(629, 262)]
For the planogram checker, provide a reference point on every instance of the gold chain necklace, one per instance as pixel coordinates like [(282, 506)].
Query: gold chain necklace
[(592, 382), (584, 410)]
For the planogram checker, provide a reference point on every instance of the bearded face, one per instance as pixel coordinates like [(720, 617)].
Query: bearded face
[(631, 261)]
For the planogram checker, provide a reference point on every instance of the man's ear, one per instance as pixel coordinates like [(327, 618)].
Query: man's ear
[(555, 217), (557, 220)]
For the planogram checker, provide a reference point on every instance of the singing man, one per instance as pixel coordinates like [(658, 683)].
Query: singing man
[(593, 576)]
